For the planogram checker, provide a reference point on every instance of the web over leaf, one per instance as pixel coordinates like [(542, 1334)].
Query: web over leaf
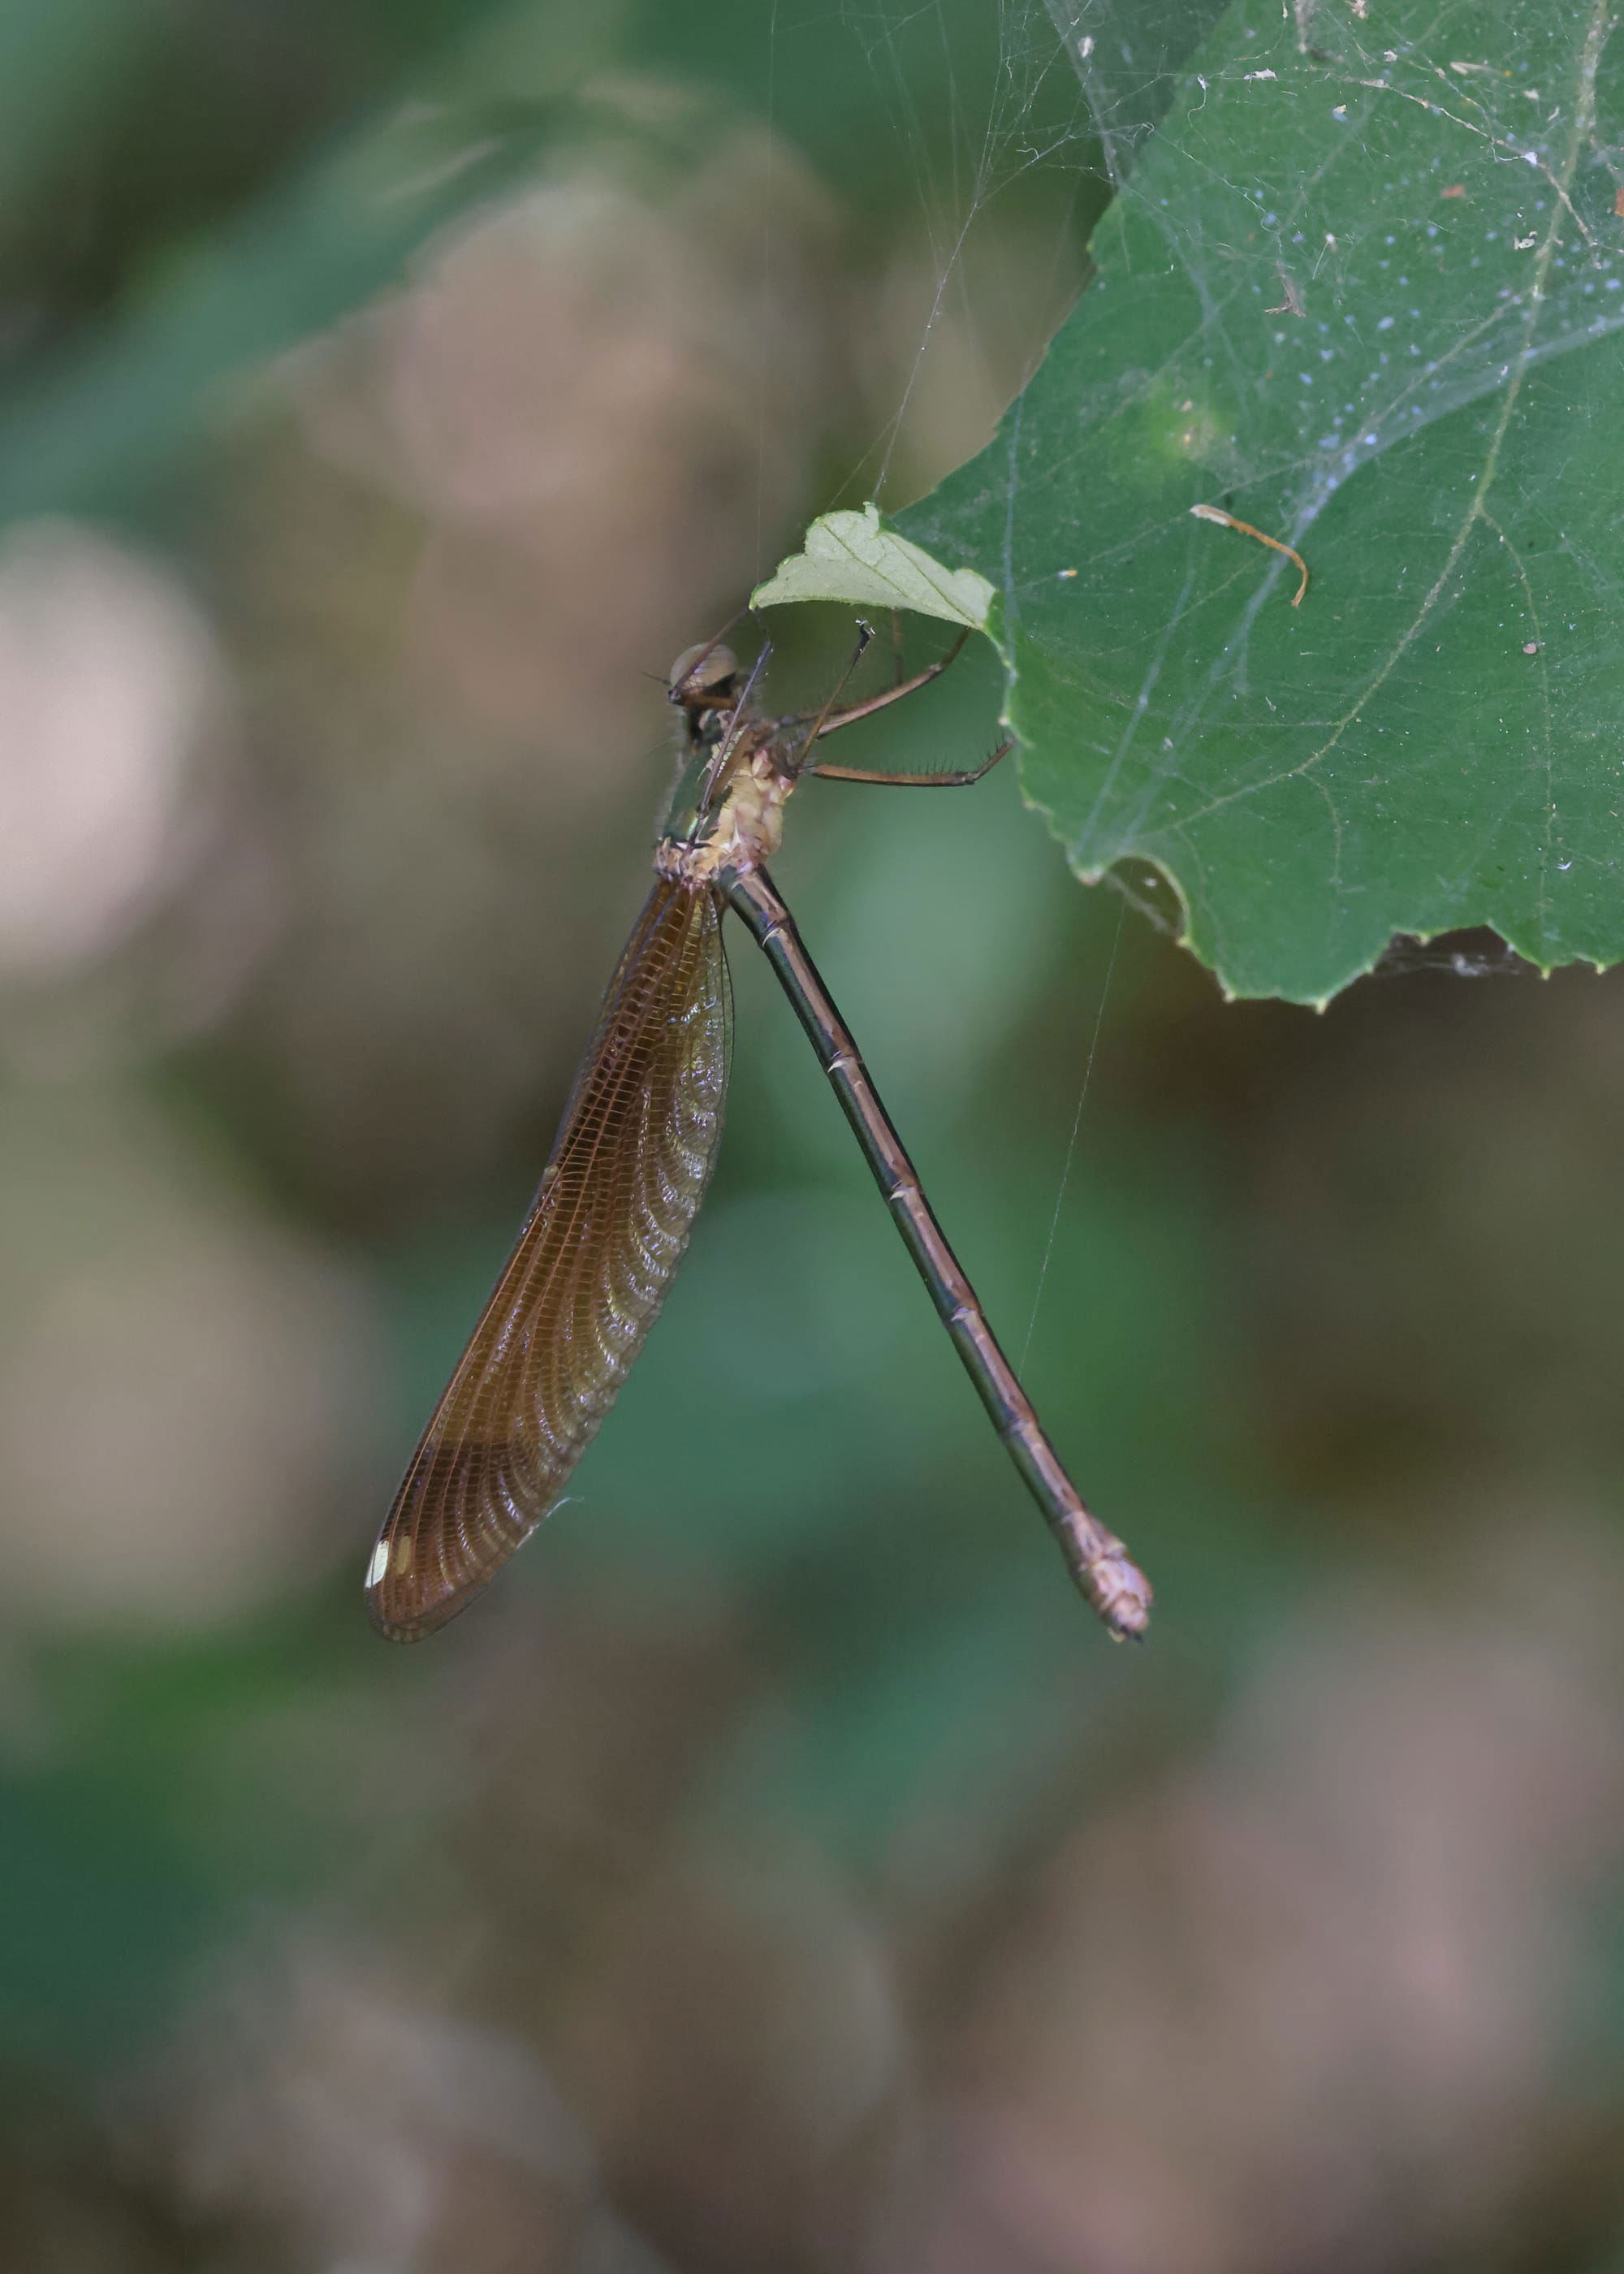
[(1362, 289)]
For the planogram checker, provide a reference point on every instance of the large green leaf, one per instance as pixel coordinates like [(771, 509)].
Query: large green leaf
[(1362, 288)]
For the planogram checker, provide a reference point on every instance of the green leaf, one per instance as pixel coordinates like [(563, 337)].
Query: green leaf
[(852, 556), (1363, 289)]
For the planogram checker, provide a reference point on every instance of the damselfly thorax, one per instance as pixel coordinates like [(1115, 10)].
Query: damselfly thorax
[(727, 809)]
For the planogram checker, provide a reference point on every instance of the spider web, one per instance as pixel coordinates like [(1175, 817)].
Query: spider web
[(1356, 285), (1026, 107)]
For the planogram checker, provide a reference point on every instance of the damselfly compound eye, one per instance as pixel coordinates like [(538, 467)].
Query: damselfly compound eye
[(707, 673)]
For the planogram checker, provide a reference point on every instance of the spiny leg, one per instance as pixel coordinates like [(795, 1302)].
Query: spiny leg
[(832, 719), (960, 778), (819, 719), (895, 692)]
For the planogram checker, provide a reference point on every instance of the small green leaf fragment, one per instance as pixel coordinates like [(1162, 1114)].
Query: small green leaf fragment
[(854, 557)]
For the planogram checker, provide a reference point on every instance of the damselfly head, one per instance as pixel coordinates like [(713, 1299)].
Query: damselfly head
[(704, 678)]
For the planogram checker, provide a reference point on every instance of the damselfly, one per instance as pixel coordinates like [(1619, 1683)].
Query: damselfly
[(629, 1168)]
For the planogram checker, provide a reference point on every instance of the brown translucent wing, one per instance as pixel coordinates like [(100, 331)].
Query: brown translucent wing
[(584, 1281)]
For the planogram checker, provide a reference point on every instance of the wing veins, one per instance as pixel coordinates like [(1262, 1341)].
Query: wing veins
[(591, 1268)]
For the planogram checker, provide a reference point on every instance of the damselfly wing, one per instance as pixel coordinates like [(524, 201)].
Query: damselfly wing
[(585, 1280)]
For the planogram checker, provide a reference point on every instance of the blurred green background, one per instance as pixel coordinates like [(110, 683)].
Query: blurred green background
[(777, 1870)]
